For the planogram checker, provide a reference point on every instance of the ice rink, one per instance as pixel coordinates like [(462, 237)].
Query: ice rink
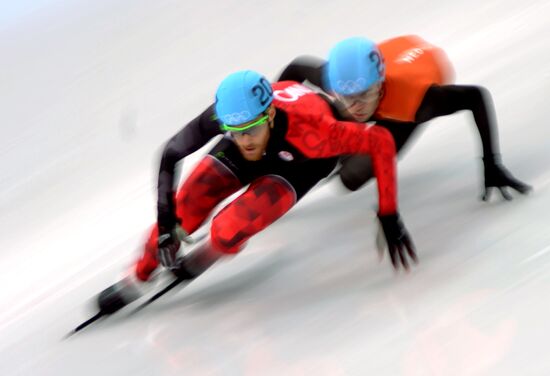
[(90, 90)]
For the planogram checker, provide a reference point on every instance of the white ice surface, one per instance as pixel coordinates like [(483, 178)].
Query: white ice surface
[(89, 91)]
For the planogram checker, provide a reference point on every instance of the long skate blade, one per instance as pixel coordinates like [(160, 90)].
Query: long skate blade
[(91, 320), (169, 287)]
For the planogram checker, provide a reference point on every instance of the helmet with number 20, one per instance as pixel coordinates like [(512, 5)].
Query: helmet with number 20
[(241, 97)]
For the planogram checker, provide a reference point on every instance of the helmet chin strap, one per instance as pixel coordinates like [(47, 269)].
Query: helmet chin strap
[(271, 125)]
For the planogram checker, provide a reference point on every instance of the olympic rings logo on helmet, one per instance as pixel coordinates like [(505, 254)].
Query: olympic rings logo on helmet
[(237, 117), (351, 86)]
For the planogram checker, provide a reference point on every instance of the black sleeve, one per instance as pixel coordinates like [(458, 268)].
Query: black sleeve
[(311, 68), (448, 99), (304, 68), (188, 140)]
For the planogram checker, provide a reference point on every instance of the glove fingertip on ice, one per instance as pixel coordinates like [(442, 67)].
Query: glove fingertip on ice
[(505, 194), (524, 190), (486, 194)]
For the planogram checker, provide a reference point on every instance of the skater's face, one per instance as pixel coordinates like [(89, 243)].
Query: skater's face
[(363, 105), (252, 140)]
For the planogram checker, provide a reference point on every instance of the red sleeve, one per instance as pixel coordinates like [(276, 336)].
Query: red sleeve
[(325, 137)]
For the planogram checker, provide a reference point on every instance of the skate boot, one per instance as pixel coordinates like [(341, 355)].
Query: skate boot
[(181, 271), (119, 295)]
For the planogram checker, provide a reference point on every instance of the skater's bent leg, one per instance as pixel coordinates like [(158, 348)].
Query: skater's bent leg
[(356, 170), (210, 183), (265, 201)]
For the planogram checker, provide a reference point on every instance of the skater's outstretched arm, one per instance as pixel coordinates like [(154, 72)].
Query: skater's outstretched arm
[(448, 99)]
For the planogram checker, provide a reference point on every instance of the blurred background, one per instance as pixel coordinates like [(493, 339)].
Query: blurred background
[(90, 91)]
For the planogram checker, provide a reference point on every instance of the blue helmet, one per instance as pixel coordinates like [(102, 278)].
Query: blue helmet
[(242, 96), (354, 65)]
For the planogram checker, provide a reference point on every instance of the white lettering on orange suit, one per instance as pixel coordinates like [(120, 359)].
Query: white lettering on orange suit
[(410, 55)]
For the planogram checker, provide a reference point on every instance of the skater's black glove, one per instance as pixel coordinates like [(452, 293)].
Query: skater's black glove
[(398, 241), (496, 176), (169, 243)]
